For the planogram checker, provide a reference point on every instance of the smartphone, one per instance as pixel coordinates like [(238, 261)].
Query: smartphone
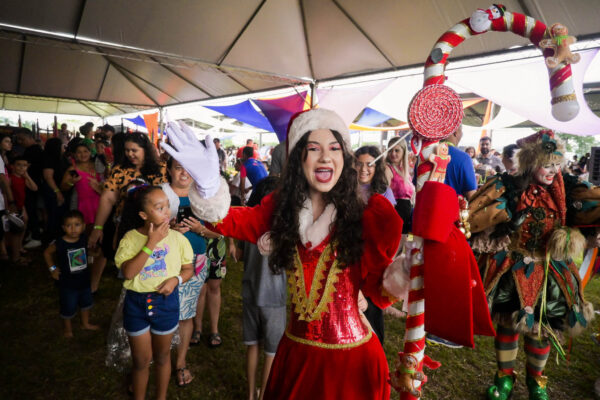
[(73, 173), (183, 213)]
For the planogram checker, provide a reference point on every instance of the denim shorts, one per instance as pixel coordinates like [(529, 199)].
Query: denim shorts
[(70, 299), (150, 311)]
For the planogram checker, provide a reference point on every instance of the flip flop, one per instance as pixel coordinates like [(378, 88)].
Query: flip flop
[(180, 375), (196, 338), (214, 340)]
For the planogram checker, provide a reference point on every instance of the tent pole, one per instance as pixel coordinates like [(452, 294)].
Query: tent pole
[(160, 122)]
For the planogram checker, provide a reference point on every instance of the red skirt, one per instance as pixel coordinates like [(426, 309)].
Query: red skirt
[(302, 371)]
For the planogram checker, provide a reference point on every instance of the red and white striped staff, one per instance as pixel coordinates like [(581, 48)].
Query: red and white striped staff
[(434, 114), (564, 102)]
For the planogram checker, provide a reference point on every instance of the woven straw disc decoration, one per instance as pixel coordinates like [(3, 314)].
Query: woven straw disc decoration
[(435, 112)]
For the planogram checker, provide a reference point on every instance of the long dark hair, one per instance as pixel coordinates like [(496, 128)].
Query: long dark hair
[(136, 199), (293, 191), (379, 183), (150, 165)]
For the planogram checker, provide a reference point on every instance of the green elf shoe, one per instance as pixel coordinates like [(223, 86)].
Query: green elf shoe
[(503, 386), (537, 387)]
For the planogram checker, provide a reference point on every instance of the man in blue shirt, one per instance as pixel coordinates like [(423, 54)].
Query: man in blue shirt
[(460, 174), (251, 168)]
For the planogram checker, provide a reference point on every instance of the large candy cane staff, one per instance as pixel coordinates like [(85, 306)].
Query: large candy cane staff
[(564, 102), (434, 113)]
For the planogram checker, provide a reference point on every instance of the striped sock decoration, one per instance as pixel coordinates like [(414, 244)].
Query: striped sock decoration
[(537, 352), (506, 343)]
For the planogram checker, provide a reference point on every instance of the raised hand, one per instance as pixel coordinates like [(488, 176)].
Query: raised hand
[(201, 162), (157, 233)]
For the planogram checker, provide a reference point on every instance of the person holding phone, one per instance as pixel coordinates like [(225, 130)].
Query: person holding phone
[(183, 220)]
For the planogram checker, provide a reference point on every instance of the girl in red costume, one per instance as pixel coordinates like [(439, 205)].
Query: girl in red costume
[(317, 228)]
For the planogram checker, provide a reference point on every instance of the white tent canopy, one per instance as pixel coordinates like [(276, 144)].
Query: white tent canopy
[(151, 53)]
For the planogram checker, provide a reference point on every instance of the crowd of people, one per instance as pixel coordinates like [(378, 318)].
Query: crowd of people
[(169, 219)]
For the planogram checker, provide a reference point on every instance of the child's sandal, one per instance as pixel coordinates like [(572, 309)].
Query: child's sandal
[(196, 338), (180, 374), (215, 340)]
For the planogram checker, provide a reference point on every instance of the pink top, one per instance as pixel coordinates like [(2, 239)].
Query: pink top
[(87, 198), (402, 189)]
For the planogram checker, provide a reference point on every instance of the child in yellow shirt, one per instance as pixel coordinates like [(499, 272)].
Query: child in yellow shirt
[(154, 260)]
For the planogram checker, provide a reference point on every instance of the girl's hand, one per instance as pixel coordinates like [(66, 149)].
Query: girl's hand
[(194, 225), (60, 199), (94, 184), (232, 250), (55, 274), (362, 302), (168, 286), (200, 161), (156, 234)]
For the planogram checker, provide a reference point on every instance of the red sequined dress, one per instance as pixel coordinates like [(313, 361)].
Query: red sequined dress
[(326, 351)]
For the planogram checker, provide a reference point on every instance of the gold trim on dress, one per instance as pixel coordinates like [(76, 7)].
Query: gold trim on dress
[(311, 308), (331, 346)]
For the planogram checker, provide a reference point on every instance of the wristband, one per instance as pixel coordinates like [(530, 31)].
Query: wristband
[(180, 279), (147, 251), (52, 268), (98, 227), (70, 184), (56, 190)]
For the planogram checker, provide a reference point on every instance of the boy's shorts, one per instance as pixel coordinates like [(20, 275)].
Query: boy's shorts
[(150, 311), (70, 299), (266, 323)]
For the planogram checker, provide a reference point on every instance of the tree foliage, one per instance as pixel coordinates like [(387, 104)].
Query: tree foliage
[(579, 145)]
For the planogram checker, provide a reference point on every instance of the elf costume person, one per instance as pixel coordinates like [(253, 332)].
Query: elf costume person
[(524, 228), (332, 244)]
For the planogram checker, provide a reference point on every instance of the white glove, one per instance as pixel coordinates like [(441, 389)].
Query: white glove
[(202, 163)]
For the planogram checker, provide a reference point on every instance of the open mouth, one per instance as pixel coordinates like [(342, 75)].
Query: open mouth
[(324, 175)]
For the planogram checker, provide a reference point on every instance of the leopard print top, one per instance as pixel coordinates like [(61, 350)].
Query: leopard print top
[(119, 180)]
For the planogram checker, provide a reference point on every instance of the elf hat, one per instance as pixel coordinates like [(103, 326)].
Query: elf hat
[(316, 118), (538, 149)]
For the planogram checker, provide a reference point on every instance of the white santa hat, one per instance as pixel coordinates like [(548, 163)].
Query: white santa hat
[(317, 118)]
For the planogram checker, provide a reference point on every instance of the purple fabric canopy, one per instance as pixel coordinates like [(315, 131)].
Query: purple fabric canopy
[(280, 111)]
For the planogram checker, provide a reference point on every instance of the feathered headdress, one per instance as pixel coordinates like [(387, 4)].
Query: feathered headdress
[(539, 149)]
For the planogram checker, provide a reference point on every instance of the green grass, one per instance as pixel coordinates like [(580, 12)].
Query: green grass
[(37, 363)]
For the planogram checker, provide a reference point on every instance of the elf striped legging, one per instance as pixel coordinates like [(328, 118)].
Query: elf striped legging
[(507, 347)]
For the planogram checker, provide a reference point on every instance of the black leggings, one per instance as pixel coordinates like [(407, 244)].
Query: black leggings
[(404, 210)]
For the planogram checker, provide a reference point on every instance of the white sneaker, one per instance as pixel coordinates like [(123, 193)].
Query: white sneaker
[(32, 244)]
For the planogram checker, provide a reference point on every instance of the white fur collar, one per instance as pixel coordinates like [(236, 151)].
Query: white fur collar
[(313, 233), (212, 209)]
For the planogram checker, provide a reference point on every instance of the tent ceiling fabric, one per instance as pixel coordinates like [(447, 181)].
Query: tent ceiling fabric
[(152, 53), (64, 106)]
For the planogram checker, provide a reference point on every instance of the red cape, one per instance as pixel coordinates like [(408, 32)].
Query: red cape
[(455, 303)]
